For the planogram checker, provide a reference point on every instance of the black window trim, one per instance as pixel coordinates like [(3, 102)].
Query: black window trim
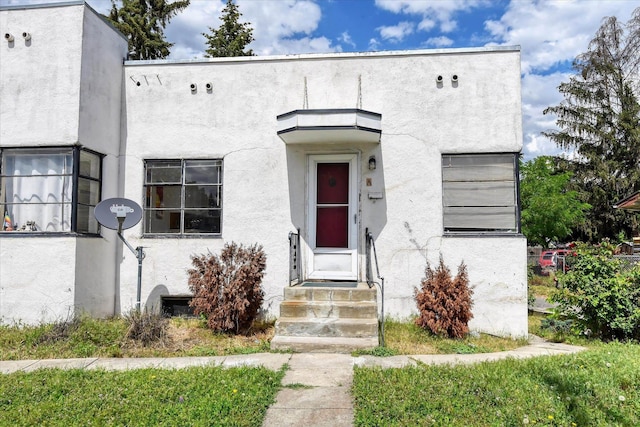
[(75, 153), (181, 235)]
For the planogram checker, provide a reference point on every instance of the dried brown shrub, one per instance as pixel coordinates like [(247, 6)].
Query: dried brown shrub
[(444, 303), (147, 327), (227, 289)]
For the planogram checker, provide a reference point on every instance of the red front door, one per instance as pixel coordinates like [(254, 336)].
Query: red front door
[(332, 217), (332, 205)]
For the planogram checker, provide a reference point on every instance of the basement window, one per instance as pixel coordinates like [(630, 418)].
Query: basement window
[(177, 306)]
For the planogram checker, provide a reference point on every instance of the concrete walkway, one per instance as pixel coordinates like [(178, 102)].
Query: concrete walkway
[(316, 385)]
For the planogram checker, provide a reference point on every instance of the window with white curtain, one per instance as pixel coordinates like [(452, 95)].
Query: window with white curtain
[(480, 193), (49, 189)]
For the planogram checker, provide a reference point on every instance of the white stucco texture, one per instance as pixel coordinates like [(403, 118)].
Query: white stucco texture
[(68, 86)]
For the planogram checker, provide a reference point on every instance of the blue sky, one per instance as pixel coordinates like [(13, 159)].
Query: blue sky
[(550, 33)]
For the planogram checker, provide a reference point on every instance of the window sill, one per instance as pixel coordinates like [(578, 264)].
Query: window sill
[(18, 234), (467, 234), (182, 236)]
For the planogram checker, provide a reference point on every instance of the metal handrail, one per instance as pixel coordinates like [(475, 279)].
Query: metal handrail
[(295, 271), (371, 249)]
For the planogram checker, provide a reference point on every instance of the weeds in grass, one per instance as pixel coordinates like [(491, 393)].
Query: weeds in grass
[(596, 387), (377, 351), (147, 327), (60, 330), (298, 386), (408, 338), (150, 397)]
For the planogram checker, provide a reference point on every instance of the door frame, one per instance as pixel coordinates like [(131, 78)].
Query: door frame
[(353, 217)]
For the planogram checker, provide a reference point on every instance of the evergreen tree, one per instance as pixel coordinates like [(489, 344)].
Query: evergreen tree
[(232, 37), (143, 22), (599, 120)]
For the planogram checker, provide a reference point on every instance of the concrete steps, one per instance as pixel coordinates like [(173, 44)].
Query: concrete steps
[(327, 319)]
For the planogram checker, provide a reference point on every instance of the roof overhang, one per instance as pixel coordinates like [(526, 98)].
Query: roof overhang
[(631, 203), (329, 126)]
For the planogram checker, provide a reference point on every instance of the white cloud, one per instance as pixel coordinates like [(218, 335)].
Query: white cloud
[(441, 41), (396, 33), (374, 44), (301, 45), (433, 13), (346, 38), (426, 24), (285, 26), (551, 32), (538, 93)]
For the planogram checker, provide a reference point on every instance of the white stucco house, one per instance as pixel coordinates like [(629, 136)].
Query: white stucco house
[(418, 148)]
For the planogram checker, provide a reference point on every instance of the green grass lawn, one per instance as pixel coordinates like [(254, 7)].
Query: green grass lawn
[(598, 387), (147, 397), (89, 337)]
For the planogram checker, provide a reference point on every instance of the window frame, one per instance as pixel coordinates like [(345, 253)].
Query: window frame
[(74, 178), (182, 208), (483, 231)]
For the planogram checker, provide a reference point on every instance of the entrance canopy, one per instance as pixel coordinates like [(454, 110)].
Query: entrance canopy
[(329, 126)]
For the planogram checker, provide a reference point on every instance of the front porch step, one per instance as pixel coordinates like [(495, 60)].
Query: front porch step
[(329, 309), (331, 318), (361, 293), (322, 344), (327, 327)]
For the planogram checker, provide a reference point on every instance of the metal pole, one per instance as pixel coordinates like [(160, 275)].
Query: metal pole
[(140, 256), (382, 315), (139, 253)]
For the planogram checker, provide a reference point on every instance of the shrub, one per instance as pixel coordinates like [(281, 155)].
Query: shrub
[(60, 330), (147, 327), (600, 296), (444, 304), (227, 289)]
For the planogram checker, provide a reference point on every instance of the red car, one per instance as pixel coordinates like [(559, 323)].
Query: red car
[(554, 258), (548, 259)]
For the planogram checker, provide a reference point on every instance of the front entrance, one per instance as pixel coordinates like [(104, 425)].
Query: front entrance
[(332, 217)]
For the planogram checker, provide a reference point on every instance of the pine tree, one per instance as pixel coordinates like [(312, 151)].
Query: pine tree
[(599, 119), (232, 37), (143, 22)]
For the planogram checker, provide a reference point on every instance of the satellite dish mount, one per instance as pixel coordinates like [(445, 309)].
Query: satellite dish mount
[(120, 214)]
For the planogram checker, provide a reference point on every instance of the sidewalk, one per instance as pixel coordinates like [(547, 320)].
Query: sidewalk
[(322, 381)]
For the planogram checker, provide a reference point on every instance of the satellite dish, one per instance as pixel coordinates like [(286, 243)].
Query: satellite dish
[(118, 213)]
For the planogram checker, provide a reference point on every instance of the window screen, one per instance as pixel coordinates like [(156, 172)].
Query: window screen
[(480, 193)]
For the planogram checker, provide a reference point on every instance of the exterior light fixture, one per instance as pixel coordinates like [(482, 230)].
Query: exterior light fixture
[(372, 163), (27, 36), (439, 79), (8, 37), (193, 87), (454, 78)]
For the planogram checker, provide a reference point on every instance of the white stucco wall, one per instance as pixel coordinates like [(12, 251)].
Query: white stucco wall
[(63, 87), (264, 179), (103, 50), (37, 279), (40, 78)]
